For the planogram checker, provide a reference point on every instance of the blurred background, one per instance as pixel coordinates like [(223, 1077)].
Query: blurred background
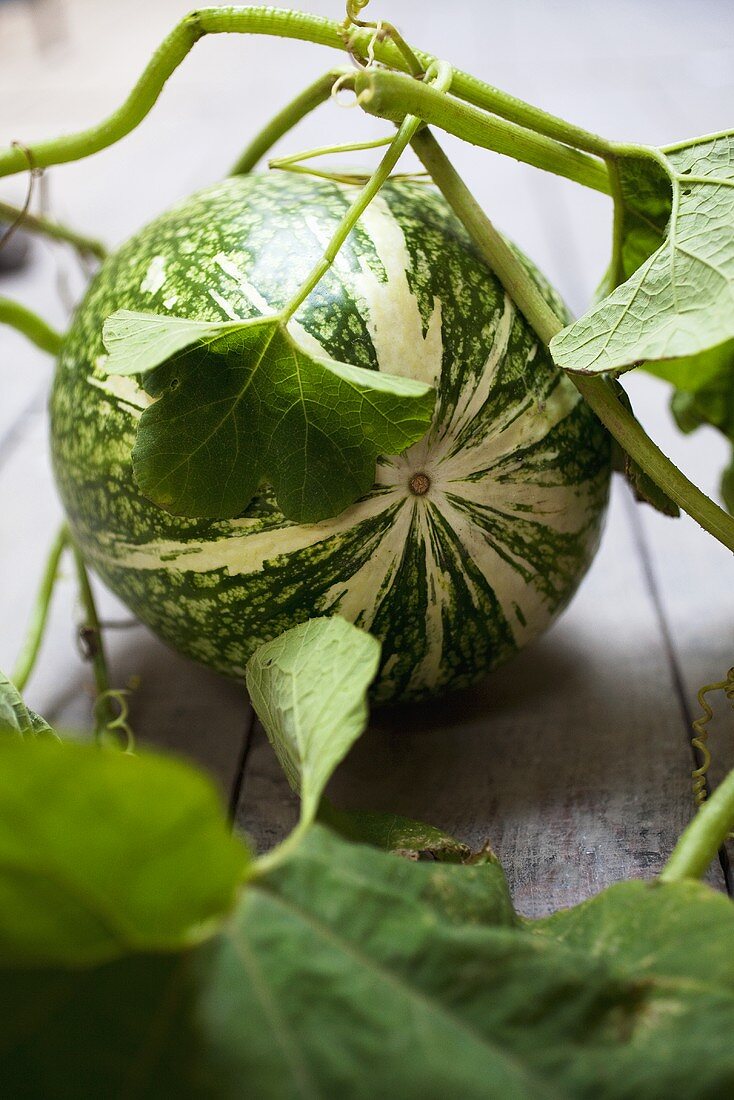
[(654, 619)]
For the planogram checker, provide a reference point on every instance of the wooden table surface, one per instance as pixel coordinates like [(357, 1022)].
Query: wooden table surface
[(573, 761)]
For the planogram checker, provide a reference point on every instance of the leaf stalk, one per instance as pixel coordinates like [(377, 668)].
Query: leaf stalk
[(701, 840), (407, 130), (308, 100), (392, 95), (92, 633), (28, 656), (30, 325)]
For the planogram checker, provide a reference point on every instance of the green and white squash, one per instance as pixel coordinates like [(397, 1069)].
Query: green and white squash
[(469, 544)]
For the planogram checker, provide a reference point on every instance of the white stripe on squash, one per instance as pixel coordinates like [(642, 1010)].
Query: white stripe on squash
[(393, 315)]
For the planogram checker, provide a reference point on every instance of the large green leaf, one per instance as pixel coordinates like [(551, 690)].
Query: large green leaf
[(242, 402), (678, 301), (341, 970), (672, 945), (644, 204), (309, 688), (348, 972), (673, 312), (103, 854), (15, 716)]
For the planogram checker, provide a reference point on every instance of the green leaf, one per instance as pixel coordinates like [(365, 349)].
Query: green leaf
[(673, 313), (704, 394), (103, 854), (644, 208), (691, 372), (319, 986), (711, 404), (673, 946), (309, 688), (678, 301), (241, 402), (139, 342), (345, 971), (15, 716)]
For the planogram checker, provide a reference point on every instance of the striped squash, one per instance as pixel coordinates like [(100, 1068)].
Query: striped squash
[(470, 542)]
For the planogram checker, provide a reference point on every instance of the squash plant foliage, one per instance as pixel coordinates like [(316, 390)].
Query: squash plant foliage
[(327, 967), (144, 949), (293, 396)]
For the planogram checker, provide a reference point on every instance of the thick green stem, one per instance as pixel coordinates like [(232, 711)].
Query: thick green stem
[(489, 98), (45, 227), (94, 642), (167, 58), (39, 616), (309, 99), (31, 325), (700, 842), (381, 31), (392, 95), (524, 291), (284, 24), (616, 267)]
